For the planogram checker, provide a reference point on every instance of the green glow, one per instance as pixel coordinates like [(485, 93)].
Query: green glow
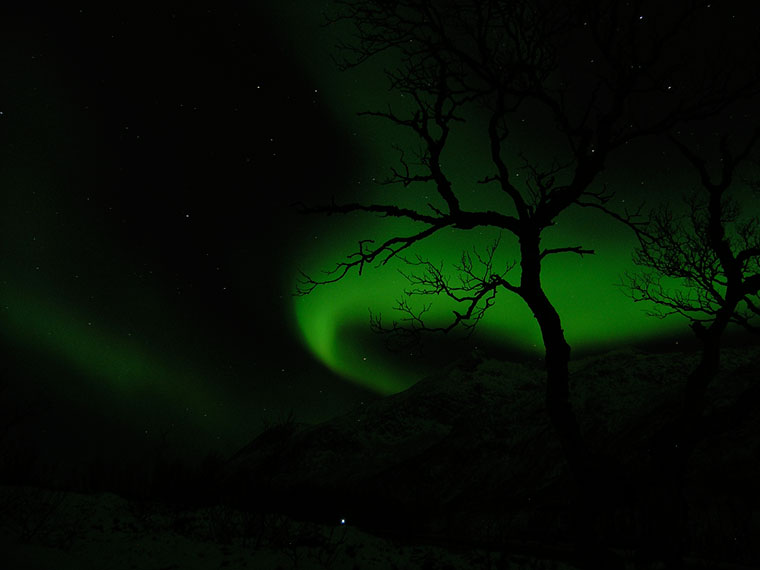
[(321, 316), (123, 363), (595, 312)]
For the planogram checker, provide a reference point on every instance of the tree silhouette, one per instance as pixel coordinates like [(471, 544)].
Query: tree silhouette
[(713, 253), (604, 77)]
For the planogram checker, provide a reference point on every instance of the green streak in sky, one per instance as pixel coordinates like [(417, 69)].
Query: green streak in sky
[(596, 314), (320, 317), (120, 362)]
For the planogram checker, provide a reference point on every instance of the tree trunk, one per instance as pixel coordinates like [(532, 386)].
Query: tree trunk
[(664, 504), (557, 396), (588, 502), (557, 356)]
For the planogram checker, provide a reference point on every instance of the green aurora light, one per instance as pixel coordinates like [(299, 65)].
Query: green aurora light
[(596, 313), (116, 361)]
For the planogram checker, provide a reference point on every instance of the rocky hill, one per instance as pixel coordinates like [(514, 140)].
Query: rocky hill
[(468, 454)]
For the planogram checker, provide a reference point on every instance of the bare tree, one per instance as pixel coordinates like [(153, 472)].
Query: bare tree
[(709, 257), (603, 77), (713, 252)]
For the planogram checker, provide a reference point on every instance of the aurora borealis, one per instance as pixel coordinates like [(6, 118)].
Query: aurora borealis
[(142, 194), (595, 310), (150, 250)]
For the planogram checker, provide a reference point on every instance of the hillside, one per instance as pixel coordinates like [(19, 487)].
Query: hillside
[(461, 471), (468, 455)]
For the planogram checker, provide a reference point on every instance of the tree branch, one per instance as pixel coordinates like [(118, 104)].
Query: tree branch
[(576, 249)]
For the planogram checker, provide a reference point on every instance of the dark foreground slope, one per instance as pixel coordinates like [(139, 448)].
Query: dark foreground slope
[(468, 455), (459, 472)]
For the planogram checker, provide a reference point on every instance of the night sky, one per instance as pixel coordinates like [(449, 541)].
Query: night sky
[(149, 162), (149, 247)]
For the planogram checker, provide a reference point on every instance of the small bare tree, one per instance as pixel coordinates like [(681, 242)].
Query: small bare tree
[(713, 253), (710, 257)]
